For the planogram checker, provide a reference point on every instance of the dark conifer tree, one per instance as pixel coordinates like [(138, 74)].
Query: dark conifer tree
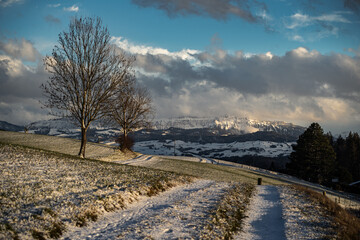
[(353, 155), (342, 166), (313, 157)]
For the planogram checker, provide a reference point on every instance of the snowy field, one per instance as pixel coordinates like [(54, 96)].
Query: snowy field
[(215, 150), (42, 194)]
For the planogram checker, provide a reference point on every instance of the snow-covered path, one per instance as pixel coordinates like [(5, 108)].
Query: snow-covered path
[(177, 213), (265, 219)]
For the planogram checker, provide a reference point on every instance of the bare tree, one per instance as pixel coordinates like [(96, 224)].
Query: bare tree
[(86, 73), (131, 110)]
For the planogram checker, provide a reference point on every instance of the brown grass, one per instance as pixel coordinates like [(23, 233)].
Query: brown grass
[(229, 215), (347, 226)]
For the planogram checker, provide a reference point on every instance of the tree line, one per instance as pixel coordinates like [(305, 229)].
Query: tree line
[(321, 158), (91, 79)]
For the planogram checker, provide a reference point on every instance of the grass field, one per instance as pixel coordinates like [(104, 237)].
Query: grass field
[(213, 171), (56, 144), (42, 192)]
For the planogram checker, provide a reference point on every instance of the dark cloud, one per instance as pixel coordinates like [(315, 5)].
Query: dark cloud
[(300, 72), (20, 83), (52, 19), (173, 72), (353, 5), (218, 9), (302, 86)]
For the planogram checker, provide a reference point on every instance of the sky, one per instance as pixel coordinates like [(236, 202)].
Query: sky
[(284, 60)]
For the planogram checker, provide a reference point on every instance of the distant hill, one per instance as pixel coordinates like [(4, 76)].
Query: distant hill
[(5, 126)]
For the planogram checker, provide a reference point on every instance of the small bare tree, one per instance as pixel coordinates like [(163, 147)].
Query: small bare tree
[(131, 110), (86, 72)]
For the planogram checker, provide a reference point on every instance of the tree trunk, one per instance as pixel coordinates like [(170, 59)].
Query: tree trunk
[(125, 144), (83, 143), (125, 133)]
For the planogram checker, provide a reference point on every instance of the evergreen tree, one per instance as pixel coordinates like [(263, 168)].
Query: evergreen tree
[(313, 157), (353, 155), (342, 165)]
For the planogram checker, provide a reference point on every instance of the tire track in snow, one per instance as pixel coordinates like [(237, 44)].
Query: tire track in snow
[(265, 219), (181, 212)]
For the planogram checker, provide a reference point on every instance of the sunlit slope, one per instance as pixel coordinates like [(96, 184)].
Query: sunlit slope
[(56, 144), (100, 151)]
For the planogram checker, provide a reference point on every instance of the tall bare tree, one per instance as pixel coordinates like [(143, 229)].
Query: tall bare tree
[(86, 73), (131, 109)]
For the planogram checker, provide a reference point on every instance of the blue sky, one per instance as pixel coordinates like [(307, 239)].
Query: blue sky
[(296, 61), (326, 26)]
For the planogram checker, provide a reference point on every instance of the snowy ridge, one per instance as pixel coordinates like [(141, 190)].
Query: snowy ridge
[(233, 125), (241, 124), (58, 124)]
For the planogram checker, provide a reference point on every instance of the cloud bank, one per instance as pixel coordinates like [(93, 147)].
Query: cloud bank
[(301, 87), (19, 82)]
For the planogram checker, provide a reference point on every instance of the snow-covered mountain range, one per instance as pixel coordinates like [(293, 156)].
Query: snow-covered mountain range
[(233, 125)]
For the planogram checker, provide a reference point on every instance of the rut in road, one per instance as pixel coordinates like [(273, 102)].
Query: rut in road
[(181, 212)]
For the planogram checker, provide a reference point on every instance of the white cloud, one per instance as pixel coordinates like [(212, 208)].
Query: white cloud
[(185, 54), (73, 8), (306, 28), (264, 15), (8, 3), (14, 68), (22, 49), (297, 38), (54, 5), (299, 20), (302, 52), (335, 17)]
